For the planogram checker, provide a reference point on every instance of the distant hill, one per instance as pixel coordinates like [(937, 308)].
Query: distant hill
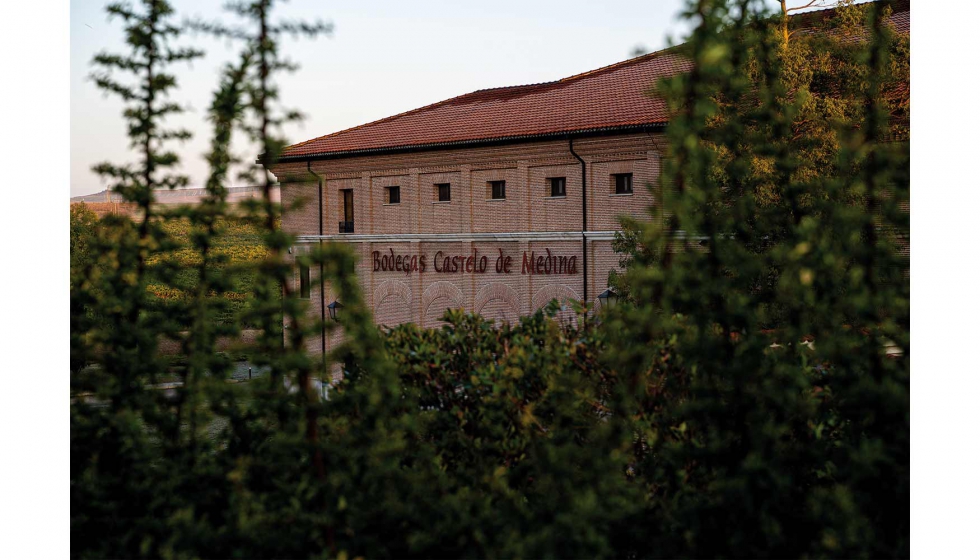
[(178, 196)]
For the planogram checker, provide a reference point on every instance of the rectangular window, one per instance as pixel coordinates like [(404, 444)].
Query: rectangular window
[(443, 192), (557, 186), (304, 281), (498, 190), (624, 183), (347, 224), (394, 195)]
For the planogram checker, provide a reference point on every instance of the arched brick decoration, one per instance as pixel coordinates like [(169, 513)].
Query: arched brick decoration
[(393, 303), (547, 293), (560, 292), (432, 319), (392, 287), (436, 299), (497, 301)]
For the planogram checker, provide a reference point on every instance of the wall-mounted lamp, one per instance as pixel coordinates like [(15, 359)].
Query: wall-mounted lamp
[(608, 297), (333, 307)]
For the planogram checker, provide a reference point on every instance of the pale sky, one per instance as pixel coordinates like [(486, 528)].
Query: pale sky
[(384, 57)]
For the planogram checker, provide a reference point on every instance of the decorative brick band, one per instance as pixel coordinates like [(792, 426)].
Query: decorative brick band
[(455, 237)]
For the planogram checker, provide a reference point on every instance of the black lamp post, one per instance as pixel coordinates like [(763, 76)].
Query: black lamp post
[(608, 297), (332, 309)]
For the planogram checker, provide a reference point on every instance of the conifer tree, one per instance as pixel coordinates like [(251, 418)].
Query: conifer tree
[(275, 304), (261, 120), (114, 465), (206, 369), (128, 349)]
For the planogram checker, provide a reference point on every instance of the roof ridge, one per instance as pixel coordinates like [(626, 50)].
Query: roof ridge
[(628, 61)]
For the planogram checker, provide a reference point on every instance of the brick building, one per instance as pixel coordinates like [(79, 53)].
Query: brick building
[(497, 201)]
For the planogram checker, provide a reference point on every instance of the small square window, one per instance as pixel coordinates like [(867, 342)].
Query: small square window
[(557, 186), (624, 183), (498, 190), (304, 281), (443, 192), (394, 195)]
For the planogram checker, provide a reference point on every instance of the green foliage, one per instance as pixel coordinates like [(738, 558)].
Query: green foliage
[(528, 462), (674, 425), (820, 80), (759, 438), (82, 230)]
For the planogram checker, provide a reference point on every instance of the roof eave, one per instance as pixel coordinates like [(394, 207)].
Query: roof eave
[(479, 142)]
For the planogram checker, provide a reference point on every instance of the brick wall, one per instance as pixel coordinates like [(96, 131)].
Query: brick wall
[(528, 220)]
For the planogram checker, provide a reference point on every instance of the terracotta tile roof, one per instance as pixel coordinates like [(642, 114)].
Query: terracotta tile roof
[(610, 97)]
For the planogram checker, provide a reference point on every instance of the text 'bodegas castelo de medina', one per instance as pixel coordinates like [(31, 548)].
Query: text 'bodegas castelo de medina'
[(474, 263), (498, 201)]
